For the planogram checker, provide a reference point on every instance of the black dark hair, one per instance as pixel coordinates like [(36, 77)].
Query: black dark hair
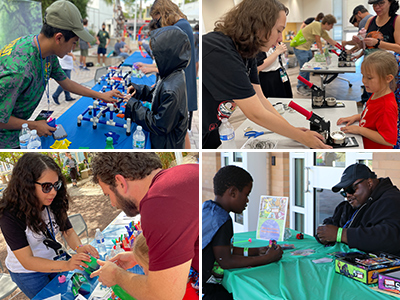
[(229, 176), (394, 7), (50, 31)]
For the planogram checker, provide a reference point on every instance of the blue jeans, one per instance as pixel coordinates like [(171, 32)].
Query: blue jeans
[(60, 89), (31, 283), (124, 55), (303, 56)]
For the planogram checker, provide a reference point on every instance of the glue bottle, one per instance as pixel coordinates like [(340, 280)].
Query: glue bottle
[(109, 143), (121, 293)]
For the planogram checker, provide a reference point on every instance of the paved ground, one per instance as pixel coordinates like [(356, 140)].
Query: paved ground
[(88, 199), (82, 76)]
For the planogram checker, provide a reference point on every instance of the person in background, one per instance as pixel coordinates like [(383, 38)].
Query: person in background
[(102, 39), (369, 213), (274, 80), (84, 46), (308, 21), (196, 44), (73, 168), (378, 120), (232, 186), (33, 210), (121, 48), (67, 65), (136, 183), (26, 65), (362, 16), (313, 34)]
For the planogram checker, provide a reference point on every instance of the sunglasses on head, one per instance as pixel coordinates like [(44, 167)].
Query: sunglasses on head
[(47, 186), (352, 188)]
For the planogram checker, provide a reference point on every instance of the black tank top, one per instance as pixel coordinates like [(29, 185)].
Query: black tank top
[(386, 30)]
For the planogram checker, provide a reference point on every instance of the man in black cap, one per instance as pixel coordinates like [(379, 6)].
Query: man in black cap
[(369, 220), (362, 15), (27, 64)]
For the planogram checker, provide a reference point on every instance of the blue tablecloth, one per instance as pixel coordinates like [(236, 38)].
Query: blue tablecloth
[(85, 135), (65, 289), (137, 57)]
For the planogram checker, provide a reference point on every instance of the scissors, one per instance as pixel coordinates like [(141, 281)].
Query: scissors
[(253, 133)]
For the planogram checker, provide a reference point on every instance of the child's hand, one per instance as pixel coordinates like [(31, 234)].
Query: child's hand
[(129, 93), (348, 120), (355, 129), (77, 261), (274, 254), (43, 129)]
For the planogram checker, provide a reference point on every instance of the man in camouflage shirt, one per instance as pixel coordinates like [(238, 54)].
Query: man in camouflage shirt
[(24, 71)]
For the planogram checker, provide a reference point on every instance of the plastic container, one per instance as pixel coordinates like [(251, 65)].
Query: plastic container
[(34, 141), (227, 135), (24, 136), (101, 247), (109, 143), (139, 139)]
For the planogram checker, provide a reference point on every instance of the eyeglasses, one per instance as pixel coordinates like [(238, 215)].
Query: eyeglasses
[(380, 3), (352, 188), (47, 186)]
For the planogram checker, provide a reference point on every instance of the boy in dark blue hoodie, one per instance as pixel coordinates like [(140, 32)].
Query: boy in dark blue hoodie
[(232, 186), (167, 120)]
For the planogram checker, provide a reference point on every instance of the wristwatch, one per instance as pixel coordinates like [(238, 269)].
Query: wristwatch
[(377, 44)]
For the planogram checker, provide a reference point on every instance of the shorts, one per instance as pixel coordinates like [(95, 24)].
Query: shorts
[(84, 52), (101, 51)]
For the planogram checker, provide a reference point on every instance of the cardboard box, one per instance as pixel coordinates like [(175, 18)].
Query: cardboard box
[(390, 281), (366, 269)]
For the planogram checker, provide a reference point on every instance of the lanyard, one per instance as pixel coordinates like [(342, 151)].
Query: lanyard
[(348, 222), (47, 75), (51, 224)]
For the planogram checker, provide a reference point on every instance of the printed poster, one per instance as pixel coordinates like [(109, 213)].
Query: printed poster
[(272, 218)]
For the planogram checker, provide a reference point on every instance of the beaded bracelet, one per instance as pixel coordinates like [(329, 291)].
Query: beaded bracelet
[(339, 235), (246, 251), (77, 247)]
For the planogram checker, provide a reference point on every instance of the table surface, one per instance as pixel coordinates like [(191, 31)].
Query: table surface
[(137, 57), (295, 277), (298, 120), (324, 69), (85, 135), (112, 231)]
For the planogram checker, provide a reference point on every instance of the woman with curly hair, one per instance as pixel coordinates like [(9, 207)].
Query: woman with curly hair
[(230, 72), (32, 211)]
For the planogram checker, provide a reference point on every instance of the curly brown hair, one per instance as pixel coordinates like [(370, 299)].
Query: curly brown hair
[(247, 20), (168, 11), (19, 197), (131, 165)]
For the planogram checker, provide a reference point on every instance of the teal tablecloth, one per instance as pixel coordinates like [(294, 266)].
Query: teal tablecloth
[(295, 277)]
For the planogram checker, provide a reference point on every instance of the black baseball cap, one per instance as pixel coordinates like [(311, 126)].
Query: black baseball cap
[(353, 19), (351, 174), (359, 8)]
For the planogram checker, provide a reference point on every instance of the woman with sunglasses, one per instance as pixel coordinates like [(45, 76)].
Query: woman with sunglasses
[(33, 211), (369, 218)]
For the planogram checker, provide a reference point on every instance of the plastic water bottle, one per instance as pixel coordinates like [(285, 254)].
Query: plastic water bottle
[(139, 138), (34, 141), (227, 135), (101, 247), (24, 136)]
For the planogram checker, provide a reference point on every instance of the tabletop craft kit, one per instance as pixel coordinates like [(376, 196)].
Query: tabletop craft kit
[(272, 218)]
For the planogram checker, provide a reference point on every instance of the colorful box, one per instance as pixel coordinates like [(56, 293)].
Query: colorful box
[(390, 281), (365, 268)]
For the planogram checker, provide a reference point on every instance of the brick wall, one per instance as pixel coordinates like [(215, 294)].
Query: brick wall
[(387, 164), (211, 163)]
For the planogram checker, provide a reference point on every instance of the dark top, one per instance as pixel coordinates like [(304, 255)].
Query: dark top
[(226, 76), (376, 226), (387, 30), (221, 238), (309, 20)]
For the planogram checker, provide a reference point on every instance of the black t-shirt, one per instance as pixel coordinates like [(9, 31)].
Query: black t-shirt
[(226, 76), (223, 237)]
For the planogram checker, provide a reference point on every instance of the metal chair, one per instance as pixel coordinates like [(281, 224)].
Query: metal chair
[(7, 286), (99, 72), (79, 225)]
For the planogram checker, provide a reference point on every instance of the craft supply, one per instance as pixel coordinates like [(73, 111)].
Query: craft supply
[(61, 278), (300, 236)]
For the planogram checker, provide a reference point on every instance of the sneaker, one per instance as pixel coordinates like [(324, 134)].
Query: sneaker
[(80, 67), (70, 99), (97, 65), (303, 91), (55, 99), (104, 64), (85, 68)]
